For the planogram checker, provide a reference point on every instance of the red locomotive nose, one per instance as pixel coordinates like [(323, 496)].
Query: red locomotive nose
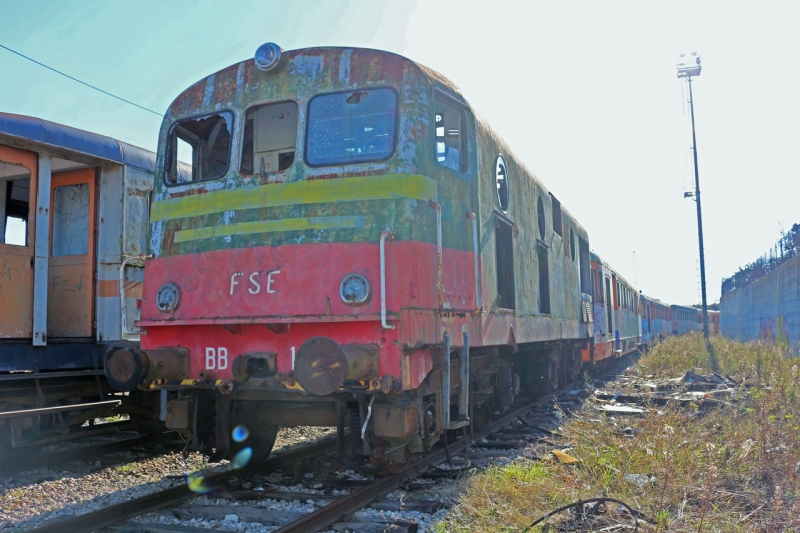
[(322, 365)]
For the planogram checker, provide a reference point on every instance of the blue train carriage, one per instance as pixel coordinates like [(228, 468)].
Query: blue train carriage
[(73, 222), (655, 318), (616, 320), (684, 319)]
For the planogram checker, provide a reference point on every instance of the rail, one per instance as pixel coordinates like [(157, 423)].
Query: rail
[(115, 514), (362, 497)]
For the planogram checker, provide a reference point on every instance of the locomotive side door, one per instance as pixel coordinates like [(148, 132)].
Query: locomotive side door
[(18, 178), (71, 263)]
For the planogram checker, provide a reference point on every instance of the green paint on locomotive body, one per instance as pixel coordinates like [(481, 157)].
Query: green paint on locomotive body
[(306, 73), (393, 193)]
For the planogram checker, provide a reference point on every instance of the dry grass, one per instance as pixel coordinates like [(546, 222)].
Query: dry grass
[(735, 467)]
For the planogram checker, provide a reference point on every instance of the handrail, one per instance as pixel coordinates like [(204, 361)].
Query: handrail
[(440, 260), (478, 299), (386, 233), (122, 290)]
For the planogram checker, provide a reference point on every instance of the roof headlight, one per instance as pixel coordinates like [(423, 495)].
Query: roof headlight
[(354, 289), (268, 56)]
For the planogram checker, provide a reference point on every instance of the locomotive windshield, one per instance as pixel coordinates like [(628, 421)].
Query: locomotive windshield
[(351, 127), (199, 148), (270, 133)]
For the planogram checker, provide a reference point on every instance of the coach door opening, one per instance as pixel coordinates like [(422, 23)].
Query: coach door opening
[(70, 291), (18, 172)]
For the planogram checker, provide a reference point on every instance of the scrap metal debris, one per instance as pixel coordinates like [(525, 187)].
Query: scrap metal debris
[(585, 512)]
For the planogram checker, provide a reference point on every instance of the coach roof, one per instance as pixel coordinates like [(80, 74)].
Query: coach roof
[(84, 142)]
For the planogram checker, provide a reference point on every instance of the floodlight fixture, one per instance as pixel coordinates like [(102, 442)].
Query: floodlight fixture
[(689, 65)]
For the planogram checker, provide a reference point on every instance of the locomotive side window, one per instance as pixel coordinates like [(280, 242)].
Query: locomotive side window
[(556, 215), (544, 280), (14, 207), (451, 138), (270, 136), (501, 179), (572, 243), (585, 267), (504, 242), (540, 217), (199, 148), (351, 127)]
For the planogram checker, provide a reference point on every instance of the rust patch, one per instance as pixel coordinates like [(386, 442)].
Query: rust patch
[(189, 192), (108, 288)]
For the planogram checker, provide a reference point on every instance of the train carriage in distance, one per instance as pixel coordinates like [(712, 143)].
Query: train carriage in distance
[(713, 321), (656, 322), (73, 212), (684, 319), (615, 314), (351, 246)]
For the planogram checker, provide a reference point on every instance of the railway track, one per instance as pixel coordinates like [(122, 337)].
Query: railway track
[(324, 517), (333, 510), (36, 460)]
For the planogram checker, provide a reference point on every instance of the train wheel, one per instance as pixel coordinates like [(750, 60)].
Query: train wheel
[(249, 431), (482, 415), (387, 465), (8, 452)]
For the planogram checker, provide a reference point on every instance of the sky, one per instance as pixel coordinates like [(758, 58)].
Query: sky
[(585, 93)]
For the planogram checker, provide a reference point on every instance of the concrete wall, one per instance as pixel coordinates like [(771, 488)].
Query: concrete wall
[(767, 310)]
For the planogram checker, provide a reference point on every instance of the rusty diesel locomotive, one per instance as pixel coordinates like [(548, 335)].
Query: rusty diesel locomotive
[(73, 211), (338, 239)]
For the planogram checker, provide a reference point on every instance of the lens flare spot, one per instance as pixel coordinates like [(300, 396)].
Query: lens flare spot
[(197, 483), (242, 457), (240, 433)]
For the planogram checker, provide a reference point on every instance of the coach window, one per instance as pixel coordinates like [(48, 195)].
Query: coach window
[(451, 138), (597, 280), (351, 127), (199, 148), (270, 136), (14, 207)]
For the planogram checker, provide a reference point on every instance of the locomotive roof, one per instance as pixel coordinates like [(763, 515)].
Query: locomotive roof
[(76, 140), (197, 97)]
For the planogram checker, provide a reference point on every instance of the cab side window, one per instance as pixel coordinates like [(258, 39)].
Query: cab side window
[(451, 133), (199, 148), (270, 136)]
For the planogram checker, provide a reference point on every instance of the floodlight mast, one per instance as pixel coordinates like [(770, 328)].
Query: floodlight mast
[(689, 66)]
